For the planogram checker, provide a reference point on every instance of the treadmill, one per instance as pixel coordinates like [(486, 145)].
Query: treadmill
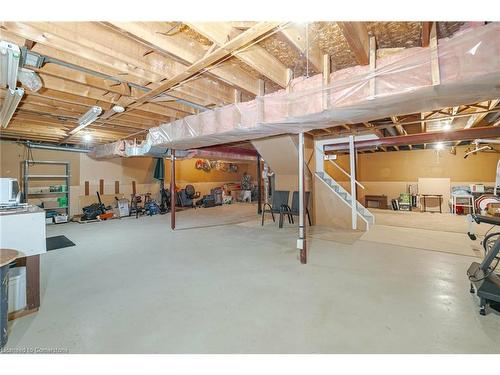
[(484, 281)]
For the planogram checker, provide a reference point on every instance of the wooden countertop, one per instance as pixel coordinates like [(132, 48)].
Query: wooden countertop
[(7, 256)]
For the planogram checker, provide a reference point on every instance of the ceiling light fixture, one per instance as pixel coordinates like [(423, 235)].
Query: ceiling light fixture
[(118, 109), (439, 146), (30, 79), (10, 103), (88, 118), (87, 137), (9, 64)]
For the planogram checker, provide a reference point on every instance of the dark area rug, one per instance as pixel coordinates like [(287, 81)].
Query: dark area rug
[(58, 242)]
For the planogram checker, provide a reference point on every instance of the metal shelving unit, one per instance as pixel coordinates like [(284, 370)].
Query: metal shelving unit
[(66, 177)]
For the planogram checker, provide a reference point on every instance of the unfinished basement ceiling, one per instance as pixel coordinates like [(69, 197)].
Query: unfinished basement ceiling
[(140, 56)]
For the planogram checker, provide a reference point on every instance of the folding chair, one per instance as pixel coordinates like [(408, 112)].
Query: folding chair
[(279, 199), (294, 210)]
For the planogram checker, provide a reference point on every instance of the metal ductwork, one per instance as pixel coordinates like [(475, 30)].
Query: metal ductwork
[(37, 60), (55, 148)]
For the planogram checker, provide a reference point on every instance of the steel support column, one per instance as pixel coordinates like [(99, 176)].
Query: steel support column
[(352, 162), (259, 186), (301, 242), (173, 194)]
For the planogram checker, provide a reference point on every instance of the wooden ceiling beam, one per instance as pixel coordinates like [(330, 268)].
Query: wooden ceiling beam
[(296, 34), (400, 129), (356, 35), (426, 33), (255, 56), (187, 50), (136, 116), (105, 85), (227, 49), (135, 68), (476, 119), (59, 84)]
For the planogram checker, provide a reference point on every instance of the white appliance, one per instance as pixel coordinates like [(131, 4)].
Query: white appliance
[(9, 192)]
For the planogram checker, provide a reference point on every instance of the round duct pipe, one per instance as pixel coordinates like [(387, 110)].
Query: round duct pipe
[(55, 148)]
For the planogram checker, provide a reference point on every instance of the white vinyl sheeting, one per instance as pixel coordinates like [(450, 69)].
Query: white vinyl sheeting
[(469, 69)]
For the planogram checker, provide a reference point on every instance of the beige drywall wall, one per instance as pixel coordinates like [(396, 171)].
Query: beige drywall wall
[(13, 154), (410, 165), (124, 170), (391, 173)]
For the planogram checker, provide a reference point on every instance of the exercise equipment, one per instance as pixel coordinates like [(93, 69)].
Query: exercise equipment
[(483, 279)]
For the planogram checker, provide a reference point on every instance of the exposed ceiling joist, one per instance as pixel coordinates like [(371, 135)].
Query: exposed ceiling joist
[(356, 35), (476, 119), (255, 56), (420, 138), (224, 51), (300, 36), (426, 33), (189, 51)]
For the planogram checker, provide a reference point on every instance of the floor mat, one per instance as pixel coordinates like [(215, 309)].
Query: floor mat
[(58, 242)]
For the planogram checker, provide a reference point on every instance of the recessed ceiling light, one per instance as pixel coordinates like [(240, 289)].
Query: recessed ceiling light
[(118, 109), (87, 137), (447, 126), (439, 146)]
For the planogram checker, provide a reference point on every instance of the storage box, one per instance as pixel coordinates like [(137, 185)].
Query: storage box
[(63, 201), (17, 289), (58, 219), (494, 209), (477, 188), (122, 208), (50, 204)]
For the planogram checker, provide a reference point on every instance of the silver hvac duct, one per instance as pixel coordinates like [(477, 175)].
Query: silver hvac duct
[(55, 148), (495, 141)]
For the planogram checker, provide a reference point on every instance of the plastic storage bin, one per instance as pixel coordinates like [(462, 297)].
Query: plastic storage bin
[(17, 289)]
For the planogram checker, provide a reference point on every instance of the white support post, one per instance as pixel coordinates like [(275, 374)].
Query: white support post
[(352, 161), (301, 242)]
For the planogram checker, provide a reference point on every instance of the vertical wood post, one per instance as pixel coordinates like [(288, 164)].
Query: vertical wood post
[(326, 81), (173, 194), (301, 242), (433, 44), (260, 102), (101, 186), (237, 99), (134, 189), (373, 65), (117, 187), (87, 188)]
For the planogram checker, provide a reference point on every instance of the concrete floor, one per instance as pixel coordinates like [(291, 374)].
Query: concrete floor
[(133, 286)]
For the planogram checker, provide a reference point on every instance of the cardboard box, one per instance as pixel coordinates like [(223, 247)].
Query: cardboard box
[(494, 209), (50, 204)]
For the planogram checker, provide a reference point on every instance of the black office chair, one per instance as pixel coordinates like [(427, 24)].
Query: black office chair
[(294, 210), (279, 199)]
